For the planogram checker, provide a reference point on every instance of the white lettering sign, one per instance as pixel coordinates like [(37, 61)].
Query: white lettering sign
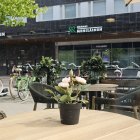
[(2, 33), (85, 28), (101, 46)]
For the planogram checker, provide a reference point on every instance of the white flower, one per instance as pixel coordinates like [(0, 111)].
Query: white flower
[(63, 84), (71, 73), (80, 80), (18, 69), (66, 80)]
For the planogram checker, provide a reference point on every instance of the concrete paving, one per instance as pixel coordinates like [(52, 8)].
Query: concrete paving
[(14, 106)]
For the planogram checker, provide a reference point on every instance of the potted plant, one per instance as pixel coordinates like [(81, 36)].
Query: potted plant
[(69, 102), (48, 69), (94, 68)]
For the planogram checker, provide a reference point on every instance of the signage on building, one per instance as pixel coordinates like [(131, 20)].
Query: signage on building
[(84, 29), (101, 46), (2, 34)]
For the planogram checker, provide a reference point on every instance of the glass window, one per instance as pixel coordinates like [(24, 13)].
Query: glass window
[(24, 19), (45, 16), (122, 52), (82, 55), (84, 9), (70, 10), (119, 7), (135, 7), (48, 15), (66, 54), (99, 7), (81, 52)]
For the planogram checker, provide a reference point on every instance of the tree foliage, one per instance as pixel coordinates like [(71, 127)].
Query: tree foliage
[(49, 68), (93, 68), (12, 12)]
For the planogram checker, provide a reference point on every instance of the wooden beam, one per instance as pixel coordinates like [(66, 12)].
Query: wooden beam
[(127, 2)]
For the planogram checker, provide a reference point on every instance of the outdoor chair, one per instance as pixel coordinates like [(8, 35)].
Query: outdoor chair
[(124, 86), (130, 100), (40, 94), (2, 115)]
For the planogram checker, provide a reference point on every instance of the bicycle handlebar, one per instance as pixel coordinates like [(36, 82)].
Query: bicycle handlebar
[(72, 64), (30, 66), (135, 64)]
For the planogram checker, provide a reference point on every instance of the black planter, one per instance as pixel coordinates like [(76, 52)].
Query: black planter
[(69, 113)]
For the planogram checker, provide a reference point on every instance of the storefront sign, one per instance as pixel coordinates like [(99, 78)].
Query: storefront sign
[(101, 46), (84, 29), (2, 34)]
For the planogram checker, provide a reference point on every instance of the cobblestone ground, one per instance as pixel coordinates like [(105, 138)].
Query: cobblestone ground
[(14, 106)]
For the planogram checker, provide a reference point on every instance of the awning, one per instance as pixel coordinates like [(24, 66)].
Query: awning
[(127, 2)]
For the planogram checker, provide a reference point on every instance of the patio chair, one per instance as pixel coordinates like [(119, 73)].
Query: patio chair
[(124, 86), (2, 115), (40, 95), (128, 100)]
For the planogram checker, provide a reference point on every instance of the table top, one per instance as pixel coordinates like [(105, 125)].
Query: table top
[(123, 77), (93, 125), (100, 87)]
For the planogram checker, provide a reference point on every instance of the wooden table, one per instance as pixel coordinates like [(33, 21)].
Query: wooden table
[(94, 89), (93, 125), (100, 87)]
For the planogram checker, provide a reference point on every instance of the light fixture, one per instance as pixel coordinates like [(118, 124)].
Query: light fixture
[(110, 20), (113, 33), (9, 36), (25, 39)]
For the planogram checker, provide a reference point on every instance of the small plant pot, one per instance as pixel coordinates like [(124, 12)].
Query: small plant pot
[(69, 113)]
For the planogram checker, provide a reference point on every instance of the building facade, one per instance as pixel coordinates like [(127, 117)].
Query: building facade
[(72, 31)]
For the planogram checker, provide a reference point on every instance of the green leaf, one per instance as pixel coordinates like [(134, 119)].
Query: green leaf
[(12, 12), (73, 98), (49, 91), (56, 98), (64, 98), (61, 90), (83, 101), (69, 91)]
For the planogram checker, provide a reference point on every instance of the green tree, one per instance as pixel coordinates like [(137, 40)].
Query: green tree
[(94, 68), (48, 68), (12, 12)]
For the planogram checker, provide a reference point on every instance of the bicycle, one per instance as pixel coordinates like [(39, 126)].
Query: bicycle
[(74, 66), (18, 83), (22, 86), (14, 78), (1, 86), (3, 90), (119, 71)]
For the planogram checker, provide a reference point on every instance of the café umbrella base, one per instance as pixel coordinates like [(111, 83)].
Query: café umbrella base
[(69, 113)]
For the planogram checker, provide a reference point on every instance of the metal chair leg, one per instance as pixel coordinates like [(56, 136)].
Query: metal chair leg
[(52, 105), (35, 106)]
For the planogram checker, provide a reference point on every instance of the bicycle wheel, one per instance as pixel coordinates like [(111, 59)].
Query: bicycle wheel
[(1, 85), (23, 90), (13, 87)]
